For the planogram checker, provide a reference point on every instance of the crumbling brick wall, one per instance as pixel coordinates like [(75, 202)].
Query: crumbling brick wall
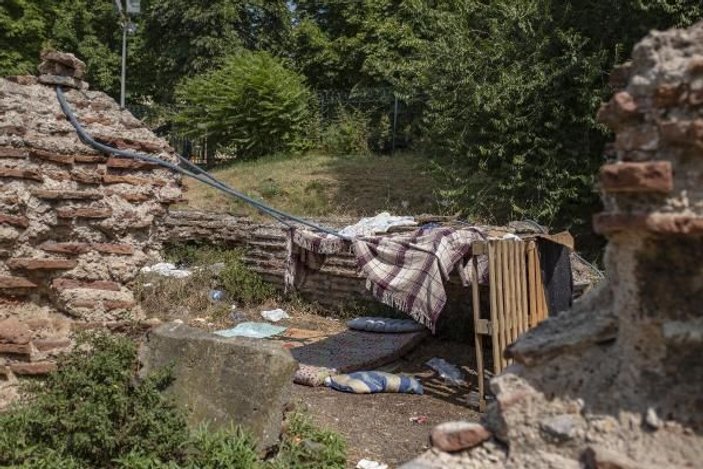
[(75, 225)]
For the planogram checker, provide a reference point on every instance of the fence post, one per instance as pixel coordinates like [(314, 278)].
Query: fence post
[(209, 154)]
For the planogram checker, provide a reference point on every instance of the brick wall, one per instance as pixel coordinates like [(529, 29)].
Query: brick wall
[(75, 225)]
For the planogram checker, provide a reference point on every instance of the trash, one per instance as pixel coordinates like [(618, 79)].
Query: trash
[(371, 382), (148, 285), (452, 374), (178, 321), (254, 330), (166, 269), (420, 419), (370, 464), (385, 325), (274, 315), (216, 295), (381, 223)]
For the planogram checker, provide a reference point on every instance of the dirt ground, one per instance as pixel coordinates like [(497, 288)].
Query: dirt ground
[(380, 426)]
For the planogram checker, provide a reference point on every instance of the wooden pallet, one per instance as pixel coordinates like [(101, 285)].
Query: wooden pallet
[(517, 300)]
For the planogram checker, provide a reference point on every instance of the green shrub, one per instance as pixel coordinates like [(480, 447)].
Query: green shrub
[(253, 104), (347, 134), (94, 412)]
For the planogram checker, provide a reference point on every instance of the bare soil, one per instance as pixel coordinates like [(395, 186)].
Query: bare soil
[(380, 426)]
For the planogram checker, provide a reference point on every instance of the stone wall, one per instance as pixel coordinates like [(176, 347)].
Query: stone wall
[(616, 382), (75, 225)]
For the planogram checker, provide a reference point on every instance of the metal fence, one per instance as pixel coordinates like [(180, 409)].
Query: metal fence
[(390, 122)]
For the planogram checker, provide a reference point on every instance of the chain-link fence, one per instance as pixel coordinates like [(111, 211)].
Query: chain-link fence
[(390, 122)]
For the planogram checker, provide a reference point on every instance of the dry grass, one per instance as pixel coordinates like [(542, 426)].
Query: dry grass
[(322, 185)]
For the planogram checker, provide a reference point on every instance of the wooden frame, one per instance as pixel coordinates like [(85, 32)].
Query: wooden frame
[(516, 297)]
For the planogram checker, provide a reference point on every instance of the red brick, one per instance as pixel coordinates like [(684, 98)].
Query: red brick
[(10, 152), (110, 305), (134, 180), (655, 176), (53, 157), (66, 194), (130, 197), (86, 177), (659, 223), (70, 284), (15, 282), (46, 345), (29, 263), (31, 369), (22, 222), (457, 436), (88, 119), (127, 163), (14, 332), (16, 349), (129, 144), (64, 248), (84, 212), (89, 158), (20, 173), (114, 248)]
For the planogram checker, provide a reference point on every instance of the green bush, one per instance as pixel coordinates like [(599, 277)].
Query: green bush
[(347, 134), (94, 412), (253, 105)]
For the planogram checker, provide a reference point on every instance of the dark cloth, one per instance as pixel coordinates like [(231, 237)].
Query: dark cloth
[(555, 263)]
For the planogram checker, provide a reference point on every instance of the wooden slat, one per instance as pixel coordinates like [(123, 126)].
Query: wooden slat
[(541, 301), (519, 328), (493, 288), (504, 305), (478, 339), (532, 282), (523, 287), (514, 292)]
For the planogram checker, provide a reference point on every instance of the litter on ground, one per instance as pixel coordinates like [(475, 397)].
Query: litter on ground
[(451, 373), (371, 382), (370, 464), (274, 315), (254, 330), (166, 269)]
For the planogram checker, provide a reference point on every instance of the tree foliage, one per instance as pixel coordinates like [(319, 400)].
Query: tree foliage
[(252, 104)]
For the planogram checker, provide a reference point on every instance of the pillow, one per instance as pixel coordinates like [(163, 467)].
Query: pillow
[(370, 382), (385, 325)]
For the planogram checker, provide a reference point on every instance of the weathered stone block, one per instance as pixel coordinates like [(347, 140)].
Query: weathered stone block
[(457, 436), (114, 248), (14, 332), (134, 180), (655, 176), (65, 248), (224, 381), (89, 158), (11, 152), (49, 344), (66, 194), (33, 369), (127, 163), (73, 64), (53, 157)]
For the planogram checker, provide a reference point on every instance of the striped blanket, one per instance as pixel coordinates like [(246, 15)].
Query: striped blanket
[(406, 271)]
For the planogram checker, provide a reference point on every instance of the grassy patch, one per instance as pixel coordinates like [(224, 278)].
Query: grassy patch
[(93, 412), (323, 185)]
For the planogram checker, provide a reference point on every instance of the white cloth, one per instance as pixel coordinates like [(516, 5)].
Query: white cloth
[(381, 223)]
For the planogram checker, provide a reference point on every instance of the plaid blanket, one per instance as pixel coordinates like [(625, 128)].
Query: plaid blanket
[(404, 271)]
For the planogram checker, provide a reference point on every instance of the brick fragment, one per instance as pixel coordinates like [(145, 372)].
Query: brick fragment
[(457, 436), (89, 158), (71, 284), (114, 248), (127, 163), (11, 152), (655, 176), (86, 177), (129, 144), (66, 194), (15, 282), (51, 156), (16, 349), (19, 173), (134, 180), (84, 212), (29, 263), (65, 248), (14, 332), (33, 369), (49, 344), (14, 220), (130, 197)]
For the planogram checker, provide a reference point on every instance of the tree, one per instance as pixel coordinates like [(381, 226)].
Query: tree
[(183, 38), (252, 104)]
